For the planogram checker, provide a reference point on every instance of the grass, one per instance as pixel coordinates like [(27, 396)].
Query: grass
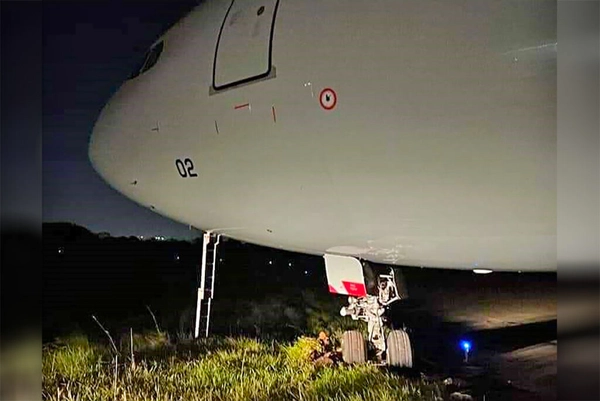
[(214, 369)]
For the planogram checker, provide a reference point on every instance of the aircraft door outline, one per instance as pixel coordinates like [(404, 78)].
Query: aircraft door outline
[(243, 53)]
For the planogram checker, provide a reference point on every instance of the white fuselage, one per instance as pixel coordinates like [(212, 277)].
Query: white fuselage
[(440, 150)]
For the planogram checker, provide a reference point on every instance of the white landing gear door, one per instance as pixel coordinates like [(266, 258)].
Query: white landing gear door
[(345, 275), (243, 50)]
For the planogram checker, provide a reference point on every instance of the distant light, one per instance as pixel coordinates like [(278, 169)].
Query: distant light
[(270, 262), (290, 264), (482, 271), (61, 250), (306, 272), (465, 345)]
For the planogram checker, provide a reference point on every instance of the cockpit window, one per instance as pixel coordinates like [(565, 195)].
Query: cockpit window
[(150, 59)]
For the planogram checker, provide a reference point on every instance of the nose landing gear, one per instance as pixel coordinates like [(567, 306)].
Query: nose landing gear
[(395, 350)]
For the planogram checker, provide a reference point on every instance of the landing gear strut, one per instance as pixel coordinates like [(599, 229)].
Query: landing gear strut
[(372, 309)]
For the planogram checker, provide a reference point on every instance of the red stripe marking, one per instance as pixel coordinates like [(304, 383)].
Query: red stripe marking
[(240, 106), (332, 289), (355, 289)]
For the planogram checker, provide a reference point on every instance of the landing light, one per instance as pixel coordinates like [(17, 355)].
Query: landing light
[(482, 271)]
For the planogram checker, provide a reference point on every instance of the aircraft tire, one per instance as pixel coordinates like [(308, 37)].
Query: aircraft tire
[(399, 350), (354, 348)]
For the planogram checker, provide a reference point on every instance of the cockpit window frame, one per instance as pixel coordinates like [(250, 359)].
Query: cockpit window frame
[(150, 59)]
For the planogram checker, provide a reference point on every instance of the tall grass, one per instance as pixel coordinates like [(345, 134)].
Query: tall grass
[(216, 369)]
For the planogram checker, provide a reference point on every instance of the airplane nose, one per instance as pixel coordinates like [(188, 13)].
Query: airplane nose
[(116, 149), (95, 146), (105, 152), (98, 148)]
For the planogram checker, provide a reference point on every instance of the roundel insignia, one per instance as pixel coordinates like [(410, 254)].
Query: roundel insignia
[(328, 98)]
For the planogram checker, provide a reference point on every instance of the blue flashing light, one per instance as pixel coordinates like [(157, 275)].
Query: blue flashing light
[(465, 345)]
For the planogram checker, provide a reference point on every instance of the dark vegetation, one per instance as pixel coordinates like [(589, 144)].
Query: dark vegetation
[(258, 291), (268, 307)]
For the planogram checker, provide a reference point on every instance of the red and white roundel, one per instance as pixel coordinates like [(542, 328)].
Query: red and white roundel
[(328, 98)]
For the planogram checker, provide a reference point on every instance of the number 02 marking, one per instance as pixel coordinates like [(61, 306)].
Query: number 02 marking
[(185, 168)]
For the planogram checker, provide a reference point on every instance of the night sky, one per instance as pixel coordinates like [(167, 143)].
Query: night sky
[(89, 49)]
